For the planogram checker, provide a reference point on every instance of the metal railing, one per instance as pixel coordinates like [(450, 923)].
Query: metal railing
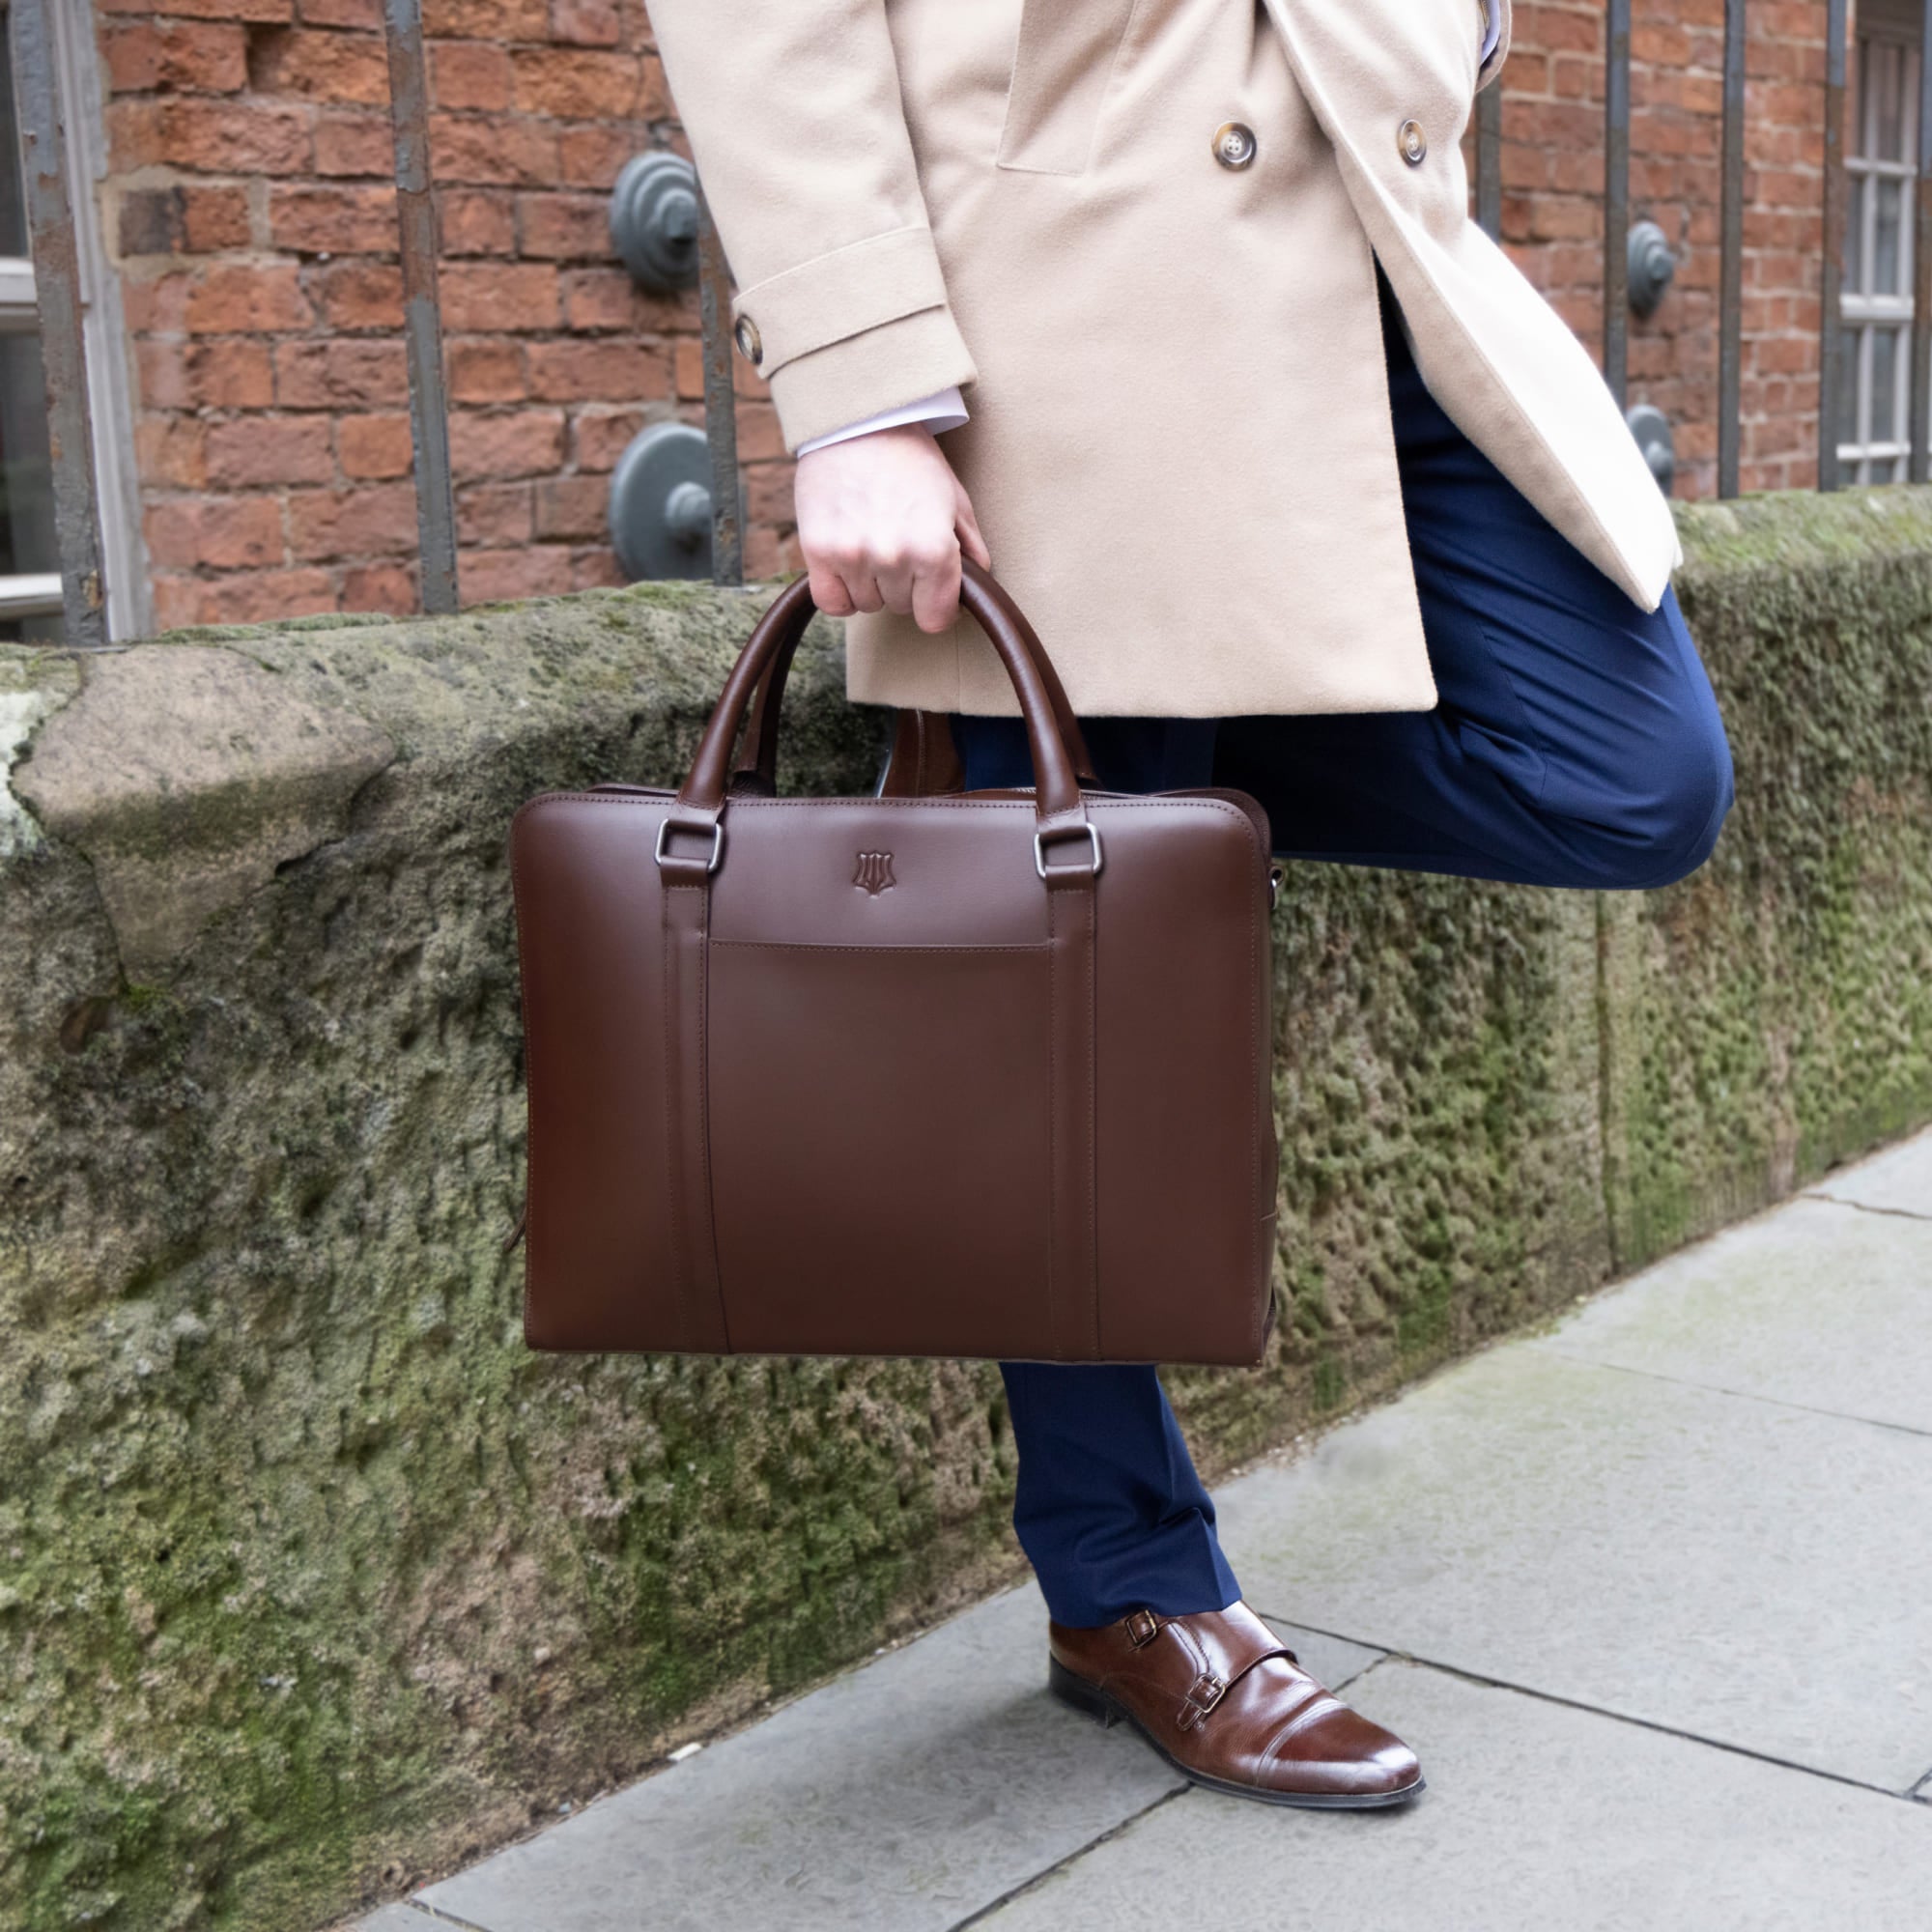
[(52, 228), (1731, 229), (422, 304)]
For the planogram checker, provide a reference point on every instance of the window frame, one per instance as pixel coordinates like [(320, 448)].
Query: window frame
[(1867, 316), (107, 347)]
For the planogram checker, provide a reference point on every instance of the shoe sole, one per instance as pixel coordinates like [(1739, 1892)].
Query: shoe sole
[(1091, 1701)]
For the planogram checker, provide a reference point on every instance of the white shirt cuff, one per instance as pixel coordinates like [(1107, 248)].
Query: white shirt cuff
[(945, 411), (1495, 31)]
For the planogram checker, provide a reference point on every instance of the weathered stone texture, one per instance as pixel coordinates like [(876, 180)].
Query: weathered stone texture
[(187, 777), (1774, 1013), (311, 1574)]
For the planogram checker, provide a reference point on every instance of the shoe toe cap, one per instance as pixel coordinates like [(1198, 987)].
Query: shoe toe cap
[(1343, 1755)]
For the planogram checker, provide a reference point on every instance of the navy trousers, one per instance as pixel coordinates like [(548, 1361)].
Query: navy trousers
[(1576, 742)]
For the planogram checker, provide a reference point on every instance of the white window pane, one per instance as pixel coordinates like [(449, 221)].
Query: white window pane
[(1887, 231), (1863, 79), (1883, 423), (1851, 430), (12, 199), (27, 545), (1908, 87), (1888, 118)]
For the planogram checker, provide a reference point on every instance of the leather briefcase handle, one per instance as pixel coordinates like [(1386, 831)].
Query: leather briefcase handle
[(759, 756), (701, 800)]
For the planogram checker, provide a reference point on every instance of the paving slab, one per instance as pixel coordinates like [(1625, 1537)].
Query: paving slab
[(1536, 1816), (1818, 1304), (1690, 1508), (1896, 1182), (1739, 1570), (1333, 1660), (903, 1797), (996, 1655)]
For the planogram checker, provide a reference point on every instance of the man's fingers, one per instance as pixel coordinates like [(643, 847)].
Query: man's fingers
[(935, 601), (895, 575), (828, 592), (967, 527), (881, 519)]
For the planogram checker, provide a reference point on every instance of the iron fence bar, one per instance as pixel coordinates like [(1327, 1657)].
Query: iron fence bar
[(422, 307), (1731, 262), (1918, 467), (1830, 265), (1616, 199), (37, 94), (1490, 160), (720, 405)]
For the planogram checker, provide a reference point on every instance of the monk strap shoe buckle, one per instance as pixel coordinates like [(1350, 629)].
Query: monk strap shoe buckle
[(1142, 1627), (1207, 1691)]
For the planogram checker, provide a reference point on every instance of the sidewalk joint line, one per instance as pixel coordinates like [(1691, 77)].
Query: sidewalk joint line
[(1734, 1394), (1396, 1654), (1865, 1207), (1038, 1878), (436, 1917), (1341, 1683)]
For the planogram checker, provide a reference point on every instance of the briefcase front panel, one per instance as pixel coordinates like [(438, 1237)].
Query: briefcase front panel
[(886, 1090)]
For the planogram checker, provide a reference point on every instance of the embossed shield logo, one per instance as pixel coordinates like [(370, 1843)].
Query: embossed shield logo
[(875, 873)]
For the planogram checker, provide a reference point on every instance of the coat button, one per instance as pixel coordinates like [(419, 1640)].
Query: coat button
[(745, 334), (1233, 144), (1412, 142)]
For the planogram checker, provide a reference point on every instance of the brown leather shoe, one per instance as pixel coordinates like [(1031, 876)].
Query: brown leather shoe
[(1224, 1701)]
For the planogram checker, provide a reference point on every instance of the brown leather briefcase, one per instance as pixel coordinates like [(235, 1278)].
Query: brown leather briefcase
[(984, 1074)]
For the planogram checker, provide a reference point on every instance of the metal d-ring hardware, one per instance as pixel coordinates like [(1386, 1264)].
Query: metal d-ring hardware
[(717, 843), (1206, 1690), (1039, 853)]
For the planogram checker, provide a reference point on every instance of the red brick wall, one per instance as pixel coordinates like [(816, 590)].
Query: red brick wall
[(250, 209), (1552, 170)]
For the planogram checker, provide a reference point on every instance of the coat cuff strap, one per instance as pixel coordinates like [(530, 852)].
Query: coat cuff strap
[(877, 369), (838, 295)]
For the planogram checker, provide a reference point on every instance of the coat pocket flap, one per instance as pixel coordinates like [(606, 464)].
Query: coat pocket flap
[(1061, 65)]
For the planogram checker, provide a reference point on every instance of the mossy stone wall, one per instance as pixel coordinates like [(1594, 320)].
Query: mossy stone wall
[(312, 1578)]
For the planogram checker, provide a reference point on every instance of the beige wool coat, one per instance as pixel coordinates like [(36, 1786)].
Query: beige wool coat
[(1180, 450)]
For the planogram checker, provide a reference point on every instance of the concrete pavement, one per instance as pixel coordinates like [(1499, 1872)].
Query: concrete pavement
[(1651, 1594)]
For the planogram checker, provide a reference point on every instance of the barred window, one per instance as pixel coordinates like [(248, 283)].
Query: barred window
[(1882, 158)]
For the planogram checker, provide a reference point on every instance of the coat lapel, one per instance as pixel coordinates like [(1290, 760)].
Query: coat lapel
[(1499, 360)]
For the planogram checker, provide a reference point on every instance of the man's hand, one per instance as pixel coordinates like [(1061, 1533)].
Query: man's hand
[(882, 521)]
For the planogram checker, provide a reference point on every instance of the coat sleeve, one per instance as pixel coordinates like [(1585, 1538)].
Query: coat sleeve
[(793, 112)]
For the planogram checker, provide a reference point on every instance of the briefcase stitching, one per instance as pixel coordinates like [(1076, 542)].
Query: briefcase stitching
[(523, 1014)]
